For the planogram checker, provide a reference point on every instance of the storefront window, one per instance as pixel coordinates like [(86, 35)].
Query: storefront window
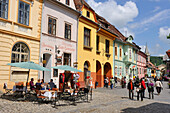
[(20, 53)]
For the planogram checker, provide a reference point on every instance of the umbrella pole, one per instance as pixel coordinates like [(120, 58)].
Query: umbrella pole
[(27, 80)]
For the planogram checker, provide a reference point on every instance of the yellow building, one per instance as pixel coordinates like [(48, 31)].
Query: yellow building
[(20, 28), (95, 45)]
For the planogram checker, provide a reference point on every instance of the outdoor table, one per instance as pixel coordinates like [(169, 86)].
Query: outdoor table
[(48, 93)]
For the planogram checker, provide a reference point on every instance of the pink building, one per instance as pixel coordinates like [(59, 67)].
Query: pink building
[(141, 64)]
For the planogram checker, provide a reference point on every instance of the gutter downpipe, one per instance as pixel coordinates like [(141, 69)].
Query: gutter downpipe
[(41, 37), (77, 36)]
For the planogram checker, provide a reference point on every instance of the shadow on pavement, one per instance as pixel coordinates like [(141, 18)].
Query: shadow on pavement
[(149, 108)]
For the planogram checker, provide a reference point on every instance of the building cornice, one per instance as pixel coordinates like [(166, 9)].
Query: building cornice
[(19, 35)]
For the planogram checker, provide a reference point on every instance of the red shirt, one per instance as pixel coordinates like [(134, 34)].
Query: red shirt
[(131, 86)]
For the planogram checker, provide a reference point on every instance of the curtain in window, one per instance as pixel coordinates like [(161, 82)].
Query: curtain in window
[(4, 9)]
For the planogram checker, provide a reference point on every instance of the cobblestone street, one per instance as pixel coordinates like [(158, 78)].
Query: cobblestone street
[(104, 100)]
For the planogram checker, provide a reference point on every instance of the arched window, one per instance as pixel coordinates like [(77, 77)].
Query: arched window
[(20, 53)]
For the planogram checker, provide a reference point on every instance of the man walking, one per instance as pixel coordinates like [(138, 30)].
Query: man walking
[(130, 88)]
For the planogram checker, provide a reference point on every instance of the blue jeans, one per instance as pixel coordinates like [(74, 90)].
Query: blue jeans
[(111, 86)]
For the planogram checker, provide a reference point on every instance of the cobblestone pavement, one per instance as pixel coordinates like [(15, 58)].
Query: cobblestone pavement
[(104, 100)]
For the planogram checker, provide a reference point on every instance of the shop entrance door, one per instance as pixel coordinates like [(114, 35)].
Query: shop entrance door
[(98, 74), (47, 64)]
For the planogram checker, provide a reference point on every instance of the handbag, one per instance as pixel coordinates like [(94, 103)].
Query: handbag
[(137, 89)]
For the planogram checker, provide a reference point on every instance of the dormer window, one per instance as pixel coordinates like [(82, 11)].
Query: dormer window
[(68, 2), (88, 14), (106, 25)]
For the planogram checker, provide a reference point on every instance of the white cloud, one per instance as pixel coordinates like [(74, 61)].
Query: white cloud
[(156, 50), (159, 17), (156, 9), (142, 48), (163, 33), (118, 15), (127, 32)]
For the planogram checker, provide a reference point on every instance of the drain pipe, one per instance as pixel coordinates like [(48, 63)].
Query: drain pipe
[(41, 37), (77, 36), (99, 28)]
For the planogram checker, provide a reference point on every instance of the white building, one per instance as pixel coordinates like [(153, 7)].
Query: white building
[(59, 36)]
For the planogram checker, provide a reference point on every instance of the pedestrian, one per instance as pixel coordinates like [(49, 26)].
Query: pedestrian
[(159, 86), (130, 88), (143, 88), (111, 82), (137, 81), (151, 89), (123, 82), (107, 82), (139, 91), (96, 84), (32, 84), (115, 82)]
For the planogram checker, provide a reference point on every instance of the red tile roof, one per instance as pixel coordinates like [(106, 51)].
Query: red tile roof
[(168, 53)]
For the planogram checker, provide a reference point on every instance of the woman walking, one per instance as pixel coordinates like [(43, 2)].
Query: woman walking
[(151, 89), (159, 86)]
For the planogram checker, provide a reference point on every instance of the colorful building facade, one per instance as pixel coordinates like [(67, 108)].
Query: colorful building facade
[(95, 45), (141, 64), (59, 37), (20, 27)]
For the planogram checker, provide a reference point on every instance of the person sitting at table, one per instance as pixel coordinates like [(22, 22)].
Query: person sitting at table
[(38, 85), (32, 84), (43, 85), (52, 85)]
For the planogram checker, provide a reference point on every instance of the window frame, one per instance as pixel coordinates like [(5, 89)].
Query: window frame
[(107, 46), (67, 33), (87, 37), (120, 52), (115, 50), (88, 14), (116, 70), (130, 53), (68, 58), (97, 42), (67, 2), (52, 24), (20, 53), (24, 12), (6, 8)]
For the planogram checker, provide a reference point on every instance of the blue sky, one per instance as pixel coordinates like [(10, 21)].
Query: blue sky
[(147, 20)]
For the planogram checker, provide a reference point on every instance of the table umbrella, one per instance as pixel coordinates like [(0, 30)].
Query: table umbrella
[(28, 65), (66, 68)]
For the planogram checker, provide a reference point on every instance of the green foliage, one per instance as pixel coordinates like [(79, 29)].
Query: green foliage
[(156, 60)]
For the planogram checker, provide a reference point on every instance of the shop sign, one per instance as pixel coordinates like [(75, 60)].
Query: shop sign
[(59, 60)]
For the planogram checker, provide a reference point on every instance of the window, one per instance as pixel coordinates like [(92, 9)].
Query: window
[(67, 31), (120, 72), (4, 9), (55, 73), (126, 71), (120, 52), (67, 59), (115, 70), (97, 43), (23, 13), (51, 26), (68, 2), (130, 54), (115, 51), (88, 14), (20, 53), (87, 37), (107, 46)]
